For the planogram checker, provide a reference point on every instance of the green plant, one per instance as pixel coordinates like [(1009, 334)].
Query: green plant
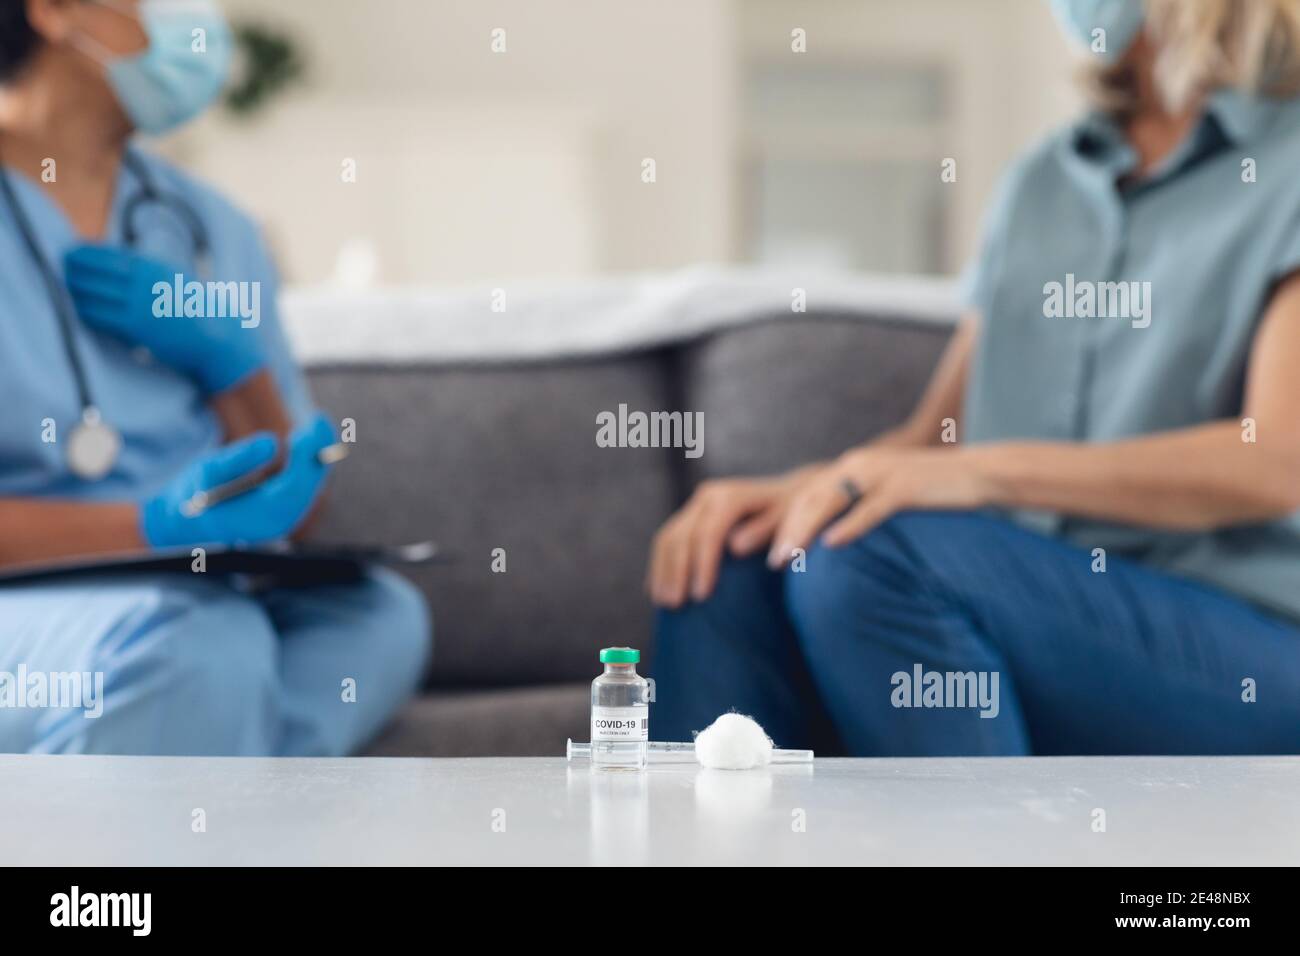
[(272, 63)]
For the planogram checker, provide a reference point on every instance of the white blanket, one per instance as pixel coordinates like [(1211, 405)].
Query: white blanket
[(536, 321)]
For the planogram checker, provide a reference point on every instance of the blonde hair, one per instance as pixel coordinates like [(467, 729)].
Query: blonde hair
[(1204, 45)]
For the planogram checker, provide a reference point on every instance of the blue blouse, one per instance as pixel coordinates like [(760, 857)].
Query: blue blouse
[(1112, 312)]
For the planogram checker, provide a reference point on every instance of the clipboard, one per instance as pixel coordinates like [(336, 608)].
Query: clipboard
[(279, 565)]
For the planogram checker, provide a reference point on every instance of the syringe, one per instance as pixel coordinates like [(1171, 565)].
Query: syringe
[(673, 751)]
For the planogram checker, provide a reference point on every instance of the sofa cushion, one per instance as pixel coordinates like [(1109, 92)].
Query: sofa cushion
[(489, 457), (509, 722), (783, 393)]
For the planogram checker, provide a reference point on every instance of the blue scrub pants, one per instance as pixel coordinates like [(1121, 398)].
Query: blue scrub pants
[(193, 666), (1129, 661)]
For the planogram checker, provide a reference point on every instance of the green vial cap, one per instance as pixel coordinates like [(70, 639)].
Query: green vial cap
[(620, 655)]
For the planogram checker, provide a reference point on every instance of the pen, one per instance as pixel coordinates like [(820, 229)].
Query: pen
[(201, 501)]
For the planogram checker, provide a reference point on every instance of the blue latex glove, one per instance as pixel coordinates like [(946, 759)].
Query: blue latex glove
[(113, 291), (271, 510)]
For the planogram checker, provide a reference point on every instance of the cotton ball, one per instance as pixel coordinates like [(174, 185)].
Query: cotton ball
[(733, 742)]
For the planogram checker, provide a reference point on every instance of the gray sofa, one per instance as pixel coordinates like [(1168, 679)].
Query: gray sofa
[(487, 456)]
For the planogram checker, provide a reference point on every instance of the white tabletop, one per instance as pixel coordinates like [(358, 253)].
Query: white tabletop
[(142, 810)]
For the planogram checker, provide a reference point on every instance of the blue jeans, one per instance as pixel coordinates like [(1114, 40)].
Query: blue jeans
[(1129, 661)]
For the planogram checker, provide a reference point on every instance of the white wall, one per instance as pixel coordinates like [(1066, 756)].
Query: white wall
[(1008, 66), (475, 166)]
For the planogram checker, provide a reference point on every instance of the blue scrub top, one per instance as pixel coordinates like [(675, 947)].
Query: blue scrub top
[(1211, 243), (164, 420)]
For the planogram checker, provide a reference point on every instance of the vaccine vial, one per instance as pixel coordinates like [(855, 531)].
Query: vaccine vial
[(620, 712)]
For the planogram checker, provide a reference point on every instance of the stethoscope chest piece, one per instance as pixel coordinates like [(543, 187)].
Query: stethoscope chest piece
[(93, 446)]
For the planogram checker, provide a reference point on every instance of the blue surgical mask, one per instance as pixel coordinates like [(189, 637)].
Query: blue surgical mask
[(1120, 19), (183, 70)]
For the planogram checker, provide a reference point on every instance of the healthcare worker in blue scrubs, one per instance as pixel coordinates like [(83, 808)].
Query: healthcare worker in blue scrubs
[(1115, 539), (114, 410)]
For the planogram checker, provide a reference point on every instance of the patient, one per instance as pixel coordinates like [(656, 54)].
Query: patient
[(1108, 561)]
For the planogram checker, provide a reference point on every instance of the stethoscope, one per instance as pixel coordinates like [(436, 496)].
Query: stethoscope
[(93, 446)]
